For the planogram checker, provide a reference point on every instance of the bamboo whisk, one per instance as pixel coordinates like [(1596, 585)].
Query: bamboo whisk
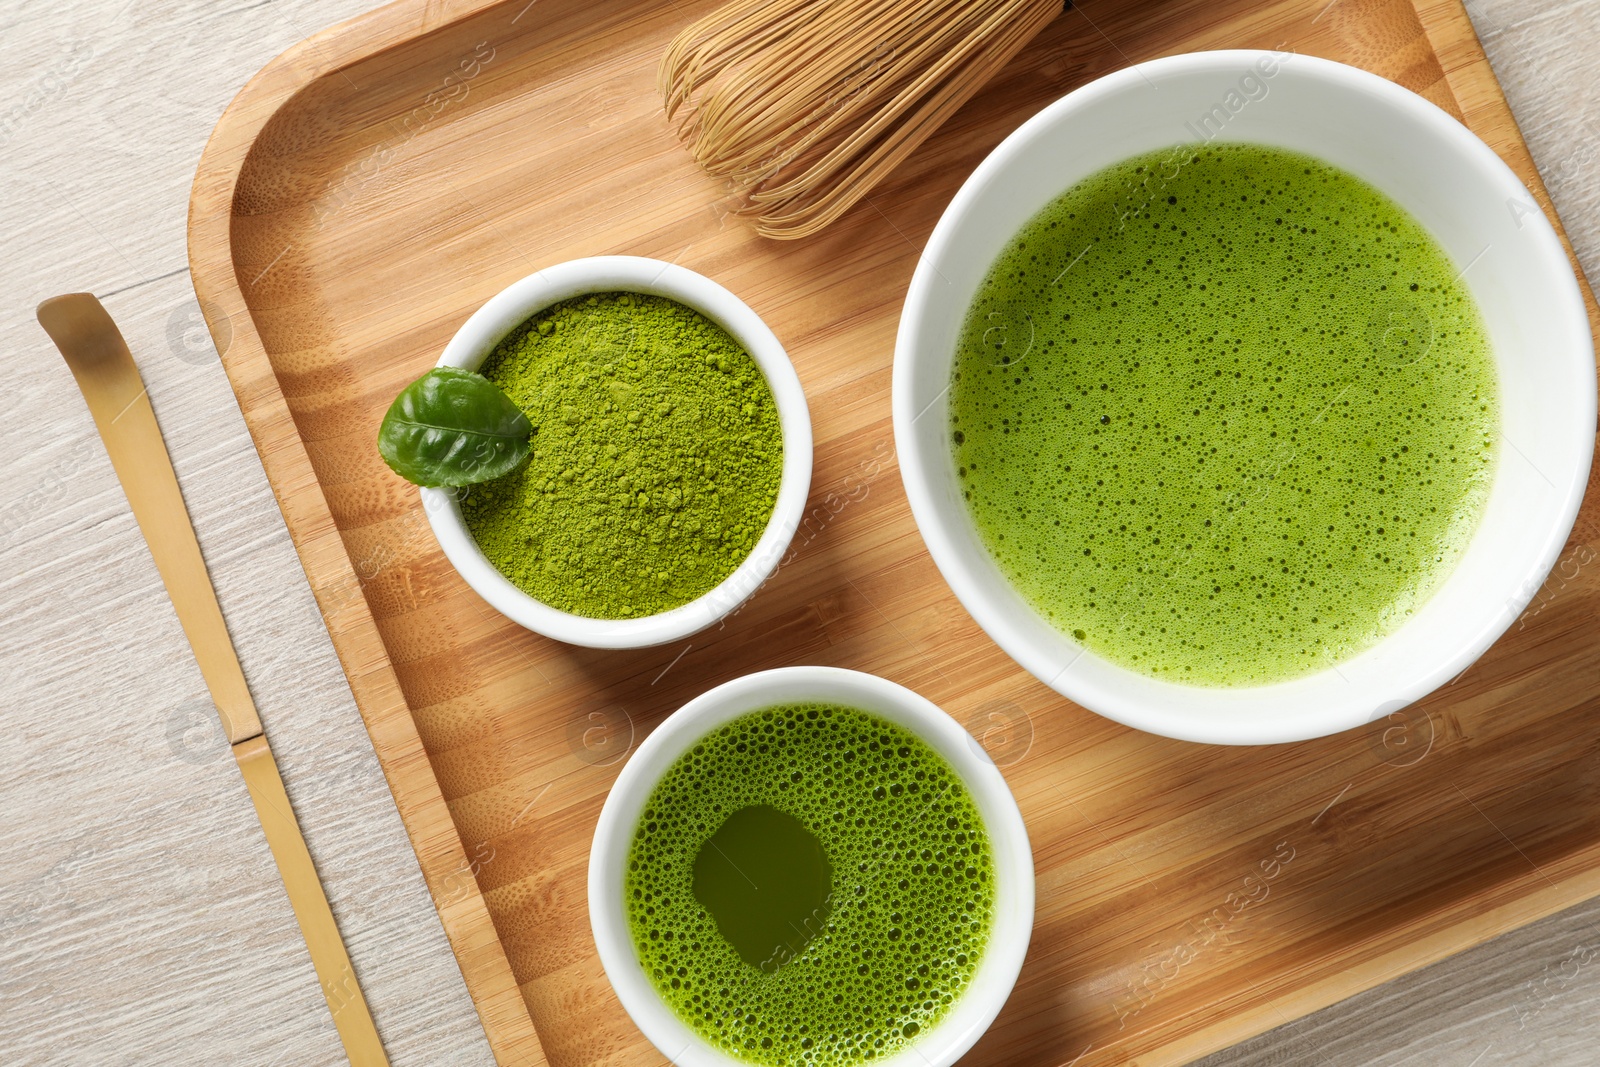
[(805, 105)]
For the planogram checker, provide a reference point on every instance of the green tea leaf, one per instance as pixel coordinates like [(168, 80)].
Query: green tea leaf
[(453, 427)]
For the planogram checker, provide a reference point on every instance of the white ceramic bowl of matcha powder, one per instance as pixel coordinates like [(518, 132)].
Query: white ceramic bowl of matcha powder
[(513, 306), (1477, 210)]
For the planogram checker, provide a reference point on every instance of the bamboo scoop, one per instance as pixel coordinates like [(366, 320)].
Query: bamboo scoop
[(100, 361), (805, 105)]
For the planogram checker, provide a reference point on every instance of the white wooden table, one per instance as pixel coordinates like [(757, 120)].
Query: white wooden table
[(141, 917)]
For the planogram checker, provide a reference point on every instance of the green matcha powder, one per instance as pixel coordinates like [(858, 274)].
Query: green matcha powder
[(656, 457)]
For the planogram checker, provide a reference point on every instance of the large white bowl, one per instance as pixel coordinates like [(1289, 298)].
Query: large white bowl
[(513, 306), (967, 1019), (1454, 185)]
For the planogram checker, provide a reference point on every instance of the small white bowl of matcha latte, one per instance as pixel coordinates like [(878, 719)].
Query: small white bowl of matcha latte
[(1481, 216), (969, 1015)]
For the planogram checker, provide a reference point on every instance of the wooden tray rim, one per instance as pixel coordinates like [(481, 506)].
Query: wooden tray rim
[(364, 658)]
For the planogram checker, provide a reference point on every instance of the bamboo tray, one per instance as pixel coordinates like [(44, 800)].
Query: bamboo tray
[(371, 187)]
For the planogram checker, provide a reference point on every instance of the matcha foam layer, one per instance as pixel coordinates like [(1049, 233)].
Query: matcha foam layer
[(904, 921), (1225, 414)]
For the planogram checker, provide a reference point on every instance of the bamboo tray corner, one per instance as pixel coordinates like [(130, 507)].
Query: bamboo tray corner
[(371, 187)]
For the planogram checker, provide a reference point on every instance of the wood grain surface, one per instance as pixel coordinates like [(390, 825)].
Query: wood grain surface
[(123, 866), (142, 918), (369, 190)]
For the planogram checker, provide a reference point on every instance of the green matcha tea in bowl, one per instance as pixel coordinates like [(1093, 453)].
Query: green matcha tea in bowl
[(811, 866), (1244, 397), (614, 452)]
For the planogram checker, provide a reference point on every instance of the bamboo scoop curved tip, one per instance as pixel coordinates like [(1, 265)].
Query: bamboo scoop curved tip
[(100, 361), (99, 358), (79, 325)]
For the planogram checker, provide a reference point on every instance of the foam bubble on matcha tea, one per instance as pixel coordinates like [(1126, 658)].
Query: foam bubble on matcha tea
[(1225, 414), (810, 884), (657, 455)]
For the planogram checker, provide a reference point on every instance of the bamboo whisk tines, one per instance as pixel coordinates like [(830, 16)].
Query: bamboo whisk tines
[(803, 106)]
